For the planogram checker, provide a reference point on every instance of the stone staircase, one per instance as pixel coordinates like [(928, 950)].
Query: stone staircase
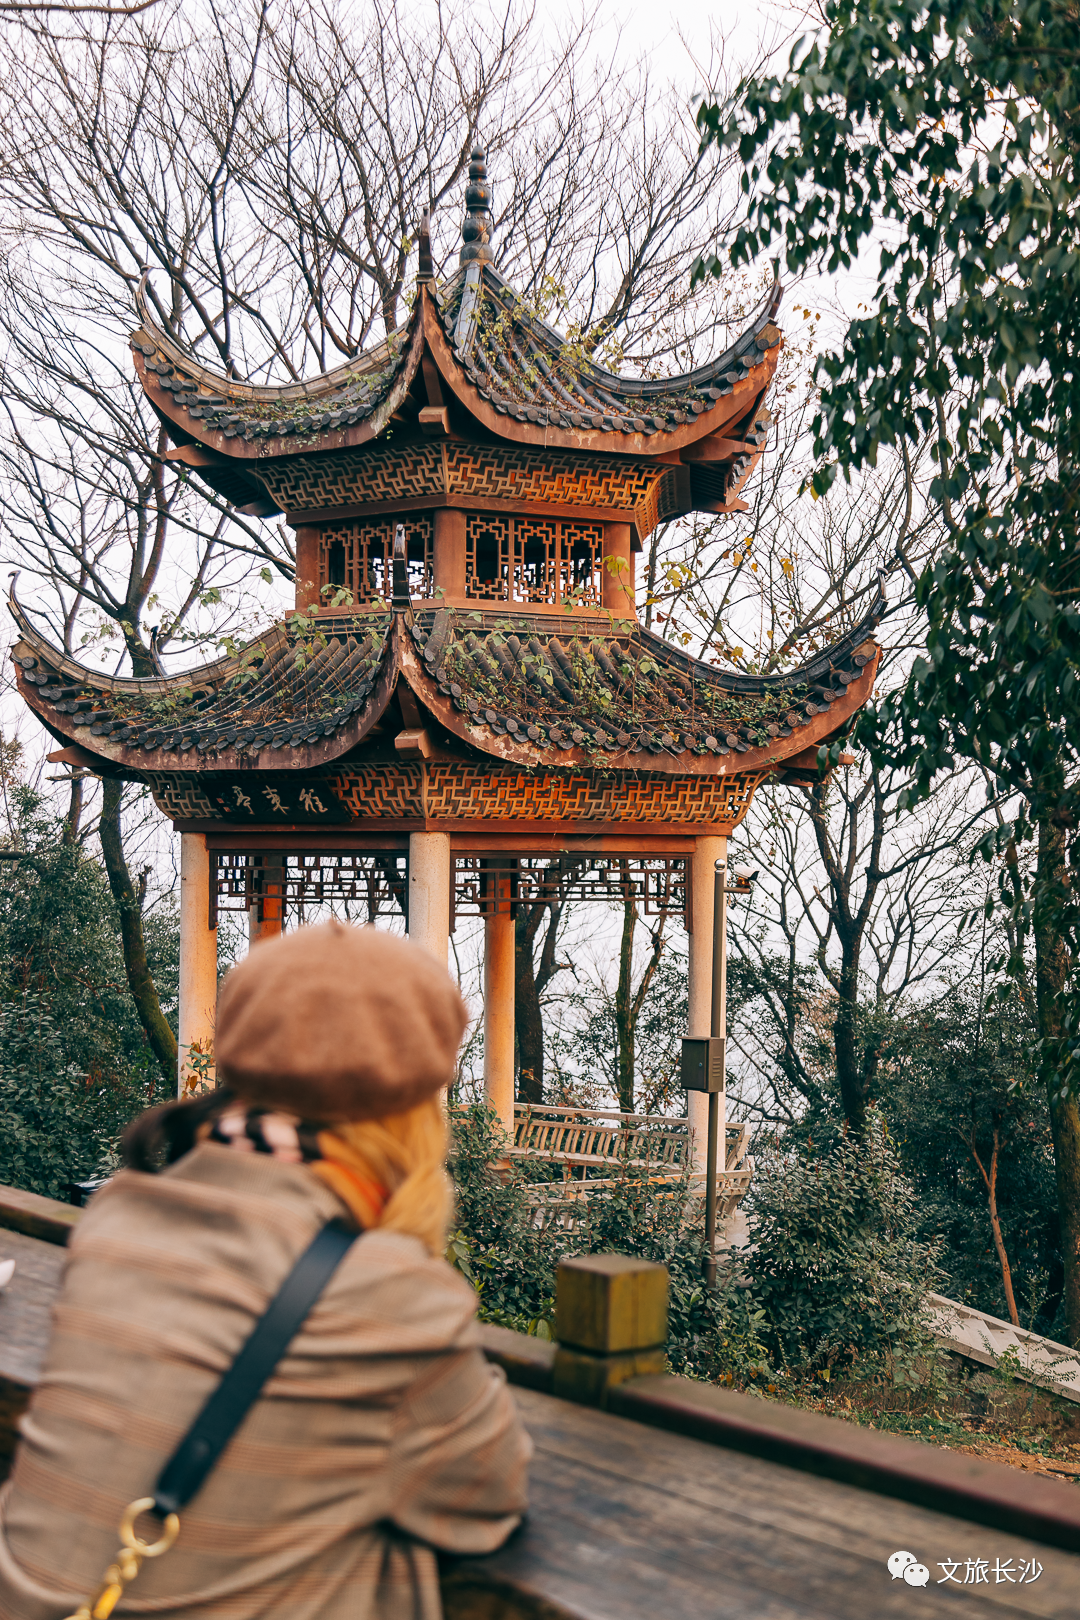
[(985, 1339)]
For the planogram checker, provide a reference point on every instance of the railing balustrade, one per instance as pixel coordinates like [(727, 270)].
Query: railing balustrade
[(585, 1141)]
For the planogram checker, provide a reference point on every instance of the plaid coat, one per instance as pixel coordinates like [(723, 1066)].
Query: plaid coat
[(383, 1433)]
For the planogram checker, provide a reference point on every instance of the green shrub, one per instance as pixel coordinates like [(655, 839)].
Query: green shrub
[(511, 1261), (75, 1066), (836, 1268), (835, 1275), (495, 1245), (57, 1123)]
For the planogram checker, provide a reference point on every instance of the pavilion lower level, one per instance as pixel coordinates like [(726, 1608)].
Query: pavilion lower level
[(276, 877)]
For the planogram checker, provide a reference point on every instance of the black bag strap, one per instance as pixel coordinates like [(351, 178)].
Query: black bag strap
[(242, 1385)]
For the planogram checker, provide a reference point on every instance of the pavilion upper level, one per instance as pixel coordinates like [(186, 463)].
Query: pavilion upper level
[(522, 471), (467, 498)]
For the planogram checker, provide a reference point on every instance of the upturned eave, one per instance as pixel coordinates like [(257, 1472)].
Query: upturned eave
[(606, 698), (745, 397), (400, 360)]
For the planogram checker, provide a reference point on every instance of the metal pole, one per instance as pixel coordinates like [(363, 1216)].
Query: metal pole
[(718, 1028)]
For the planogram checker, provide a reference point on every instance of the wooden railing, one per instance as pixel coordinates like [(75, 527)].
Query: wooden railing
[(599, 1138), (601, 1145), (625, 1501)]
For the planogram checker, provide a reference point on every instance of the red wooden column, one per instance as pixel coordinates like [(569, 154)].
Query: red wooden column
[(499, 939), (307, 568), (449, 553), (617, 577)]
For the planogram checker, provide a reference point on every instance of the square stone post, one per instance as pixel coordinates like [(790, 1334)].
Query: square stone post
[(429, 893), (198, 955), (707, 851)]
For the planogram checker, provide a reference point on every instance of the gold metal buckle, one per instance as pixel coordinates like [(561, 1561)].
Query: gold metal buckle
[(128, 1560)]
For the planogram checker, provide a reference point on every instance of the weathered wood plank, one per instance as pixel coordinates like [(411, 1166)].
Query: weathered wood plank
[(889, 1465), (45, 1218), (628, 1523), (25, 1319), (954, 1482)]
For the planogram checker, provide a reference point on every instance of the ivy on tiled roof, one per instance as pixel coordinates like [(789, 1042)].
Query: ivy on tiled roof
[(284, 691), (612, 692), (531, 373), (355, 398), (552, 688)]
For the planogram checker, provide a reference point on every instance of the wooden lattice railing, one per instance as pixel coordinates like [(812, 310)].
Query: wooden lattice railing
[(601, 1138), (592, 1140)]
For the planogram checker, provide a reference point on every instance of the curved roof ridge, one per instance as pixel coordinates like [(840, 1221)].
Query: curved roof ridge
[(145, 685), (810, 670), (763, 315), (152, 339), (323, 382)]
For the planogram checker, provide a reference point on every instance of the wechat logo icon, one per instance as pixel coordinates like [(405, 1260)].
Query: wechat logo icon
[(904, 1565)]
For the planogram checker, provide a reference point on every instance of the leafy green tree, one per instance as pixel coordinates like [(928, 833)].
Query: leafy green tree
[(958, 1089), (947, 134), (971, 1125), (75, 1063)]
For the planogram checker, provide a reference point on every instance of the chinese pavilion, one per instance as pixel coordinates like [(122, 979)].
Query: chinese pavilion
[(464, 710)]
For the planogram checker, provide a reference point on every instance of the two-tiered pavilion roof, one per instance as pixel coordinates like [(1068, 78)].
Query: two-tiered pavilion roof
[(465, 688)]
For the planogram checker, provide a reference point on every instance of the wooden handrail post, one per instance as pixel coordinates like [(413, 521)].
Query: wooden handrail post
[(610, 1324)]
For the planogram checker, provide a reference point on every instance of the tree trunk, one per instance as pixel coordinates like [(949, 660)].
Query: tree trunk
[(849, 1068), (74, 814), (995, 1224), (624, 1019), (856, 1060), (1051, 972), (140, 979), (528, 1020), (628, 1001), (999, 1241), (530, 982)]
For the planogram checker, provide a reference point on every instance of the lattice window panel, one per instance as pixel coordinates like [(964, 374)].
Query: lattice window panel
[(489, 558), (580, 552), (657, 884), (305, 483), (532, 560), (181, 797), (300, 482), (476, 792), (536, 560), (525, 474), (358, 557), (372, 883)]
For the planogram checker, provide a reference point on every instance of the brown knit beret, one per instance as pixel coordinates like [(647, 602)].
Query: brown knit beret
[(336, 1023)]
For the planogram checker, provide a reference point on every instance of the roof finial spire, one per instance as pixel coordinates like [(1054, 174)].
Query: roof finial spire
[(425, 270), (476, 228)]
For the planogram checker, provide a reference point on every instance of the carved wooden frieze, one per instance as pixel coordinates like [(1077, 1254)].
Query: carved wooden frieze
[(426, 791)]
